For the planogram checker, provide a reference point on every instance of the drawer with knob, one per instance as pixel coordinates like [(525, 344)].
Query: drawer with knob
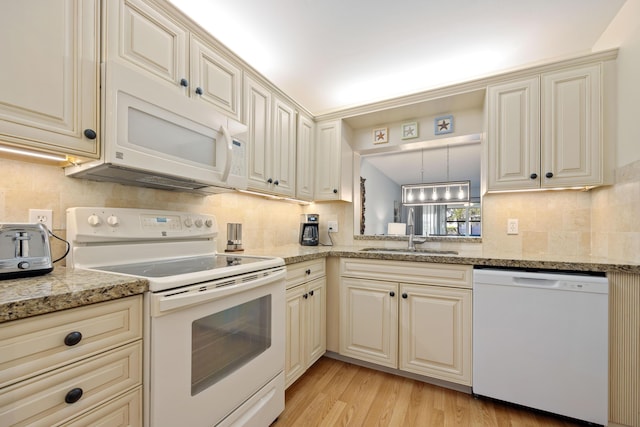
[(63, 394), (305, 271), (39, 344)]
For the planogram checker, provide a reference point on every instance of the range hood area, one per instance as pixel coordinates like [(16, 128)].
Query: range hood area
[(108, 172)]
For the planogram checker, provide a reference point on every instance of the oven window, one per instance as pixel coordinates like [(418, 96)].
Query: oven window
[(223, 342)]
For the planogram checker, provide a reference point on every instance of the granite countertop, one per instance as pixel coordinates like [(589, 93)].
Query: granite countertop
[(296, 253), (61, 289), (67, 288)]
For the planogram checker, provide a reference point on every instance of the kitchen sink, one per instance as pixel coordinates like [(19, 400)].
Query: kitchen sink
[(409, 251)]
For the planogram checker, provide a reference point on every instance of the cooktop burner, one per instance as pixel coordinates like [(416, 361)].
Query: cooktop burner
[(175, 267)]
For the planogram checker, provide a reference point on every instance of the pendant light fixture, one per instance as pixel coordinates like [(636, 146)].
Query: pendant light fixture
[(440, 191)]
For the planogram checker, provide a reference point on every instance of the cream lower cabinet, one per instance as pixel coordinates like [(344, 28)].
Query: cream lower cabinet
[(415, 317), (305, 317), (81, 366)]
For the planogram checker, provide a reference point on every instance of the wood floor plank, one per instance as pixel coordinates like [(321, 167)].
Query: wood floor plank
[(334, 393)]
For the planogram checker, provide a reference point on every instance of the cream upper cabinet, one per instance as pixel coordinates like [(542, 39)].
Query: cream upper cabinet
[(305, 165), (49, 83), (271, 138), (306, 302), (216, 79), (416, 317), (546, 131), (334, 162), (156, 42)]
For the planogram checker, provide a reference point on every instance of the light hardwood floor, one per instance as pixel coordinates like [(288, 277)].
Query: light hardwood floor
[(335, 393)]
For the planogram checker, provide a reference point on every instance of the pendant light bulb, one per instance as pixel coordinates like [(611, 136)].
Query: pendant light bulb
[(421, 195), (434, 196), (460, 193), (447, 194), (410, 196)]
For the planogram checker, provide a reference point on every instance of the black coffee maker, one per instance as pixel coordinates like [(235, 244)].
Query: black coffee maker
[(309, 231)]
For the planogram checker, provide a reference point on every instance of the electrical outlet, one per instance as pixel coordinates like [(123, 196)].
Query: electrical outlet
[(332, 226), (44, 216), (512, 226)]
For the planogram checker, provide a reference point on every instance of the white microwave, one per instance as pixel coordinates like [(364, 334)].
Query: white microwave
[(154, 136)]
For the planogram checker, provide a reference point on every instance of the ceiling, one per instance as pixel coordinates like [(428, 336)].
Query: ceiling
[(333, 54)]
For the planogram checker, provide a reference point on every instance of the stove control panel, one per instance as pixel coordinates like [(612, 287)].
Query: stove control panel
[(108, 224)]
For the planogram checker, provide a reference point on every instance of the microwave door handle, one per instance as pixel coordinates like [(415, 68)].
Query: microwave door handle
[(228, 160)]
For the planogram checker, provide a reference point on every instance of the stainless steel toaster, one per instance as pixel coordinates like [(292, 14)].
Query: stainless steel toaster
[(24, 250)]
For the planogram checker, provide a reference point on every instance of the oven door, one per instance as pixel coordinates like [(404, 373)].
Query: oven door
[(215, 346)]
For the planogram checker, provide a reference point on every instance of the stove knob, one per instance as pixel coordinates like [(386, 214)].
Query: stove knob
[(199, 222), (113, 221), (208, 223), (188, 222), (94, 220)]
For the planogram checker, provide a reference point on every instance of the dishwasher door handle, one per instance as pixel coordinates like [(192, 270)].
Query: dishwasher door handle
[(536, 283)]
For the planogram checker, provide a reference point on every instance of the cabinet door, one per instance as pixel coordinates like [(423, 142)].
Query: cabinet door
[(215, 79), (257, 116), (306, 158), (369, 321), (146, 38), (513, 158), (283, 151), (49, 93), (571, 138), (328, 161), (294, 364), (316, 344), (435, 333)]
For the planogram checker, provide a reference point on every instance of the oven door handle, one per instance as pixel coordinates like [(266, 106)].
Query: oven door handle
[(206, 292)]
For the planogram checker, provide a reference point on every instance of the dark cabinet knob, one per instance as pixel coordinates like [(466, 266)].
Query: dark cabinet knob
[(308, 272), (270, 181), (184, 82), (90, 133), (405, 296), (73, 395), (549, 175), (276, 182), (533, 176), (335, 191), (392, 294), (199, 91), (72, 338), (311, 293), (305, 296)]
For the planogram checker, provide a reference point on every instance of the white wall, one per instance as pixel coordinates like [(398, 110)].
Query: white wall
[(380, 193), (624, 32)]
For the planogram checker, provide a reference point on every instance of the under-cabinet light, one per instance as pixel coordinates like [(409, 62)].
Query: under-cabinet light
[(30, 153)]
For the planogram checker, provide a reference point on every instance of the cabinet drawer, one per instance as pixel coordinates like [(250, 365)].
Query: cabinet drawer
[(454, 275), (35, 345), (125, 411), (305, 271), (41, 401)]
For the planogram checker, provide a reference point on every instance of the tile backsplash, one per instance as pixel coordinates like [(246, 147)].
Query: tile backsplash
[(602, 222)]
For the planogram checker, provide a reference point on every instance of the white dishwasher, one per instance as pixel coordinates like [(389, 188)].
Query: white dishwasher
[(541, 340)]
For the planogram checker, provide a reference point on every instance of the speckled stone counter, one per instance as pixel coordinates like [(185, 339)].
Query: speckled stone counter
[(61, 289), (296, 253)]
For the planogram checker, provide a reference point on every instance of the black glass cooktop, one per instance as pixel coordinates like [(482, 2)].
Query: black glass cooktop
[(178, 266)]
